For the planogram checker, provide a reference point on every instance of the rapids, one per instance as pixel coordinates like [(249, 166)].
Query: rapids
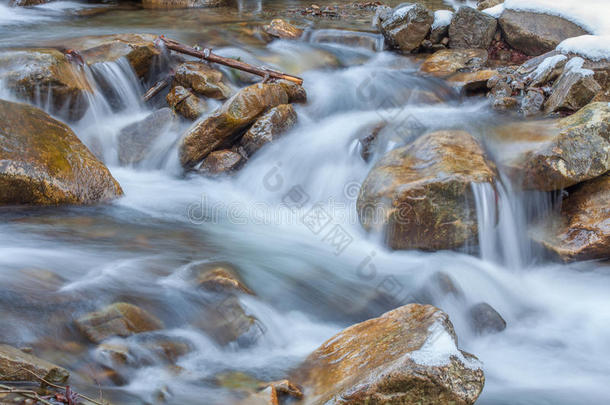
[(554, 350)]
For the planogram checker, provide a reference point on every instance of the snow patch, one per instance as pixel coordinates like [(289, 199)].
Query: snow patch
[(402, 11), (495, 11), (575, 65), (547, 65), (442, 18), (591, 47)]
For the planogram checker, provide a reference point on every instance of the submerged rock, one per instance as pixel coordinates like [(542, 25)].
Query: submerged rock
[(223, 161), (43, 162), (224, 127), (119, 319), (485, 319), (536, 33), (268, 128), (406, 356), (16, 365), (420, 195), (219, 277), (470, 82), (185, 103), (471, 28), (532, 103), (581, 230), (407, 26), (448, 61), (202, 79), (279, 28)]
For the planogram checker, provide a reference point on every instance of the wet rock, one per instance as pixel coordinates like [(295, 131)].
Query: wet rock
[(119, 319), (548, 70), (117, 353), (440, 26), (224, 127), (407, 27), (448, 61), (484, 319), (532, 103), (472, 82), (471, 28), (420, 194), (27, 3), (438, 287), (485, 4), (573, 89), (221, 162), (268, 128), (368, 140), (42, 162), (295, 92), (267, 396), (15, 364), (51, 76), (171, 4), (139, 49), (185, 103), (135, 141), (202, 79), (563, 152), (382, 13), (284, 388), (387, 360), (279, 28), (227, 322), (536, 33), (219, 277), (581, 230), (504, 103)]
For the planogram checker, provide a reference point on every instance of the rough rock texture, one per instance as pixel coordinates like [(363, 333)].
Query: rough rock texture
[(448, 61), (42, 162), (407, 27), (485, 4), (119, 319), (223, 161), (381, 361), (49, 76), (185, 103), (169, 4), (484, 319), (27, 3), (534, 33), (471, 28), (295, 92), (202, 79), (268, 128), (14, 363), (420, 194), (279, 28), (136, 140), (532, 103), (581, 231), (561, 153), (504, 104), (572, 91), (225, 126)]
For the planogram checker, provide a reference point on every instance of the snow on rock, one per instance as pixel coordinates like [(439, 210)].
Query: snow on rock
[(593, 47), (575, 65), (495, 11), (442, 18)]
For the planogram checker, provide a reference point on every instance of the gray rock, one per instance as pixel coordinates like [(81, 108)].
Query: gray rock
[(532, 103), (573, 89), (268, 128), (136, 140), (407, 27), (484, 319), (471, 28)]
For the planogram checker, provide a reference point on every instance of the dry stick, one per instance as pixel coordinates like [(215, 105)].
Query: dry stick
[(24, 393), (157, 87), (209, 56), (61, 388)]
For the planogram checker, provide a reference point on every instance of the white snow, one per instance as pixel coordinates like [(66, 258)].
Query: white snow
[(594, 47), (547, 66), (575, 65), (442, 18), (592, 15), (402, 11), (495, 11)]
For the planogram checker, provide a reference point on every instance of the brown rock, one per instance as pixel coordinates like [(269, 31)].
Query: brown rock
[(536, 33), (295, 92), (224, 127), (16, 365), (572, 90), (119, 319), (268, 396), (42, 162), (135, 141), (279, 28), (471, 28), (504, 103), (472, 81), (485, 4), (228, 322), (268, 128), (581, 230), (202, 79), (448, 61), (420, 194), (407, 27), (221, 162), (532, 103), (378, 362), (27, 3), (185, 103), (220, 277), (172, 4)]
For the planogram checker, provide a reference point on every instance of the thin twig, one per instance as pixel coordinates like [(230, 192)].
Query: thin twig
[(24, 393), (63, 388)]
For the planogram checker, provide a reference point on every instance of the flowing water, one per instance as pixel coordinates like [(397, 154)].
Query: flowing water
[(59, 263)]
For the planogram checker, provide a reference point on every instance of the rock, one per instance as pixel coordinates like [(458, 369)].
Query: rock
[(471, 82), (484, 319), (219, 277), (504, 103), (171, 4), (532, 103), (535, 33), (119, 319), (223, 161), (43, 162), (27, 3), (581, 230), (561, 153), (227, 322), (448, 61), (185, 103), (382, 13), (135, 141), (485, 4), (471, 28), (573, 89), (267, 396), (387, 360), (50, 76), (202, 79), (279, 28), (295, 92), (440, 26), (15, 364), (548, 70), (407, 27), (223, 128), (421, 193), (268, 128), (284, 388), (369, 138)]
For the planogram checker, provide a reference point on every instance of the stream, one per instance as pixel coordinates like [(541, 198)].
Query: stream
[(57, 264)]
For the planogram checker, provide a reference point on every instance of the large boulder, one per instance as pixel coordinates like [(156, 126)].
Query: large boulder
[(225, 126), (471, 28), (43, 162), (536, 33), (50, 78), (581, 230), (407, 26), (574, 89), (16, 365), (560, 153), (421, 195), (170, 4), (448, 61), (202, 79), (268, 128), (135, 141), (406, 356)]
